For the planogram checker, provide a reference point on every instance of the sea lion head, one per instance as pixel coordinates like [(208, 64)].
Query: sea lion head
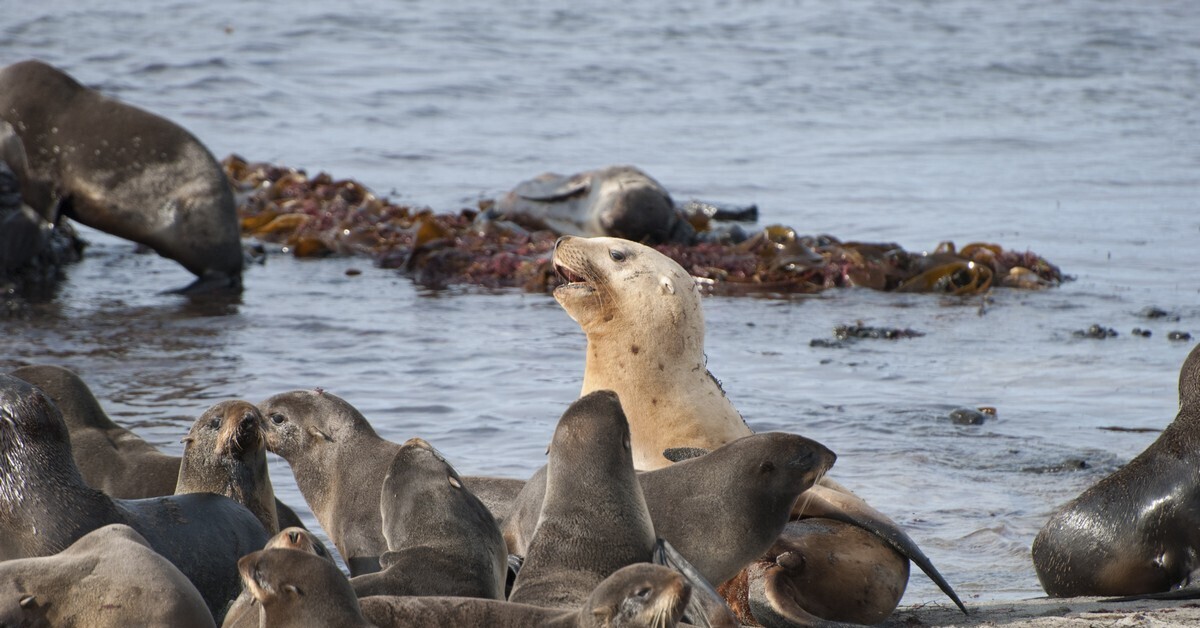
[(31, 428), (299, 539), (418, 480), (595, 418), (641, 594), (1189, 383), (630, 204), (618, 285), (292, 585), (300, 423)]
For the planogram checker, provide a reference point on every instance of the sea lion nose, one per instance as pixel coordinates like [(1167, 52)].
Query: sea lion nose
[(559, 241)]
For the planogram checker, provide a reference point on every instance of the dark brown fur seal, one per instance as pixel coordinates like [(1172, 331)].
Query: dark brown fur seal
[(594, 519), (109, 578), (124, 171), (110, 457), (225, 453), (45, 505), (1137, 530), (441, 539)]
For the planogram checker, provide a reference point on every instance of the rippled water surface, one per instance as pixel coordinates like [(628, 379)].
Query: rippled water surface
[(1069, 128)]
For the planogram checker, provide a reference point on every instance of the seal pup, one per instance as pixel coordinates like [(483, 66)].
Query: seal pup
[(593, 519), (720, 510), (246, 612), (617, 201), (225, 453), (110, 577), (1136, 531), (339, 462), (110, 457), (434, 525), (645, 329), (45, 505), (124, 171), (296, 589)]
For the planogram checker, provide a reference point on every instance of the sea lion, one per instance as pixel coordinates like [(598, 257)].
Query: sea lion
[(110, 577), (720, 510), (110, 457), (246, 612), (1137, 530), (339, 462), (124, 171), (225, 453), (434, 525), (298, 589), (45, 505), (617, 201), (642, 316), (594, 519)]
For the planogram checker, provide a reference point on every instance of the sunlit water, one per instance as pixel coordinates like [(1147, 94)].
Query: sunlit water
[(1072, 129)]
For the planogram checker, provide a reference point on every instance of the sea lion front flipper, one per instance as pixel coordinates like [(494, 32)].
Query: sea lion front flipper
[(706, 607), (823, 501), (550, 187)]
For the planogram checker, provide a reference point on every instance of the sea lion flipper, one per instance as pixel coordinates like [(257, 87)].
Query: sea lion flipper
[(679, 454), (706, 607), (848, 508), (551, 187)]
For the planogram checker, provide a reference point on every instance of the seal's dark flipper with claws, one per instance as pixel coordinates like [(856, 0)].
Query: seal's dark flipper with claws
[(706, 607)]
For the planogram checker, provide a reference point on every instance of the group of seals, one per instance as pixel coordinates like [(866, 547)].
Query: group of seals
[(1138, 530), (121, 170)]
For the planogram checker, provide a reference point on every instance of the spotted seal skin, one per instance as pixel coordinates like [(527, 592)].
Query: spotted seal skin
[(225, 453), (109, 578), (124, 171), (45, 505), (593, 519), (1136, 531), (441, 539), (616, 201)]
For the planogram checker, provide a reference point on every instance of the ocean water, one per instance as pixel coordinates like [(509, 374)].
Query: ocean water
[(1070, 128)]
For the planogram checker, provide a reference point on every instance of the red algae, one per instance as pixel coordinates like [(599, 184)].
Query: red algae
[(320, 216)]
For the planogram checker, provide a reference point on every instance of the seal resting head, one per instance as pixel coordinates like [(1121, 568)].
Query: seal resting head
[(645, 329)]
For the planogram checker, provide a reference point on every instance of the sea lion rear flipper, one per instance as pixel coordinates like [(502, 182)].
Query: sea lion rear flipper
[(822, 501), (776, 608), (551, 187), (706, 607)]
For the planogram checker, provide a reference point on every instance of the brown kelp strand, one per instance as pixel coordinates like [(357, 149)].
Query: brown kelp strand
[(319, 215)]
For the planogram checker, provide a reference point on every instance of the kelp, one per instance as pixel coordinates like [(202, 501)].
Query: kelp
[(318, 216)]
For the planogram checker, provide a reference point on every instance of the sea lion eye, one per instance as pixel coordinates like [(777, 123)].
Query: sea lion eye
[(215, 424), (643, 592), (616, 255), (277, 418)]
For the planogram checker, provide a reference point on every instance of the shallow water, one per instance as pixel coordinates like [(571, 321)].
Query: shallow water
[(1070, 129)]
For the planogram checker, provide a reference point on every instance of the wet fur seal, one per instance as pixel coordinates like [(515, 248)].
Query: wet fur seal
[(616, 201), (246, 612), (108, 578), (441, 539), (124, 171), (642, 316), (45, 505), (1138, 530), (109, 457), (225, 453), (340, 462), (594, 519)]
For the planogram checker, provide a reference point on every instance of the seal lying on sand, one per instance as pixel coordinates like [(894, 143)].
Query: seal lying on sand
[(124, 171), (110, 457), (1137, 530), (645, 329), (45, 506), (618, 201), (110, 577), (297, 589), (434, 525), (593, 520)]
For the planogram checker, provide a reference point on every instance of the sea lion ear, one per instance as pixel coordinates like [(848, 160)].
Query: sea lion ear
[(319, 434), (293, 589), (668, 286), (28, 602), (679, 454)]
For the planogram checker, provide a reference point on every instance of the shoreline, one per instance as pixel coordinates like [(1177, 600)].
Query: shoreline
[(1045, 612)]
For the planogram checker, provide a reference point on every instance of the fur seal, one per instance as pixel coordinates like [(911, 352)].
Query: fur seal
[(594, 519), (434, 525), (617, 201), (45, 505), (110, 577), (225, 453), (642, 316), (246, 612), (110, 457), (339, 462), (124, 171), (296, 589), (1136, 531)]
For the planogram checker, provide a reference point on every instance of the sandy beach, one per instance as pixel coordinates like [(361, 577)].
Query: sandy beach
[(1052, 613)]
